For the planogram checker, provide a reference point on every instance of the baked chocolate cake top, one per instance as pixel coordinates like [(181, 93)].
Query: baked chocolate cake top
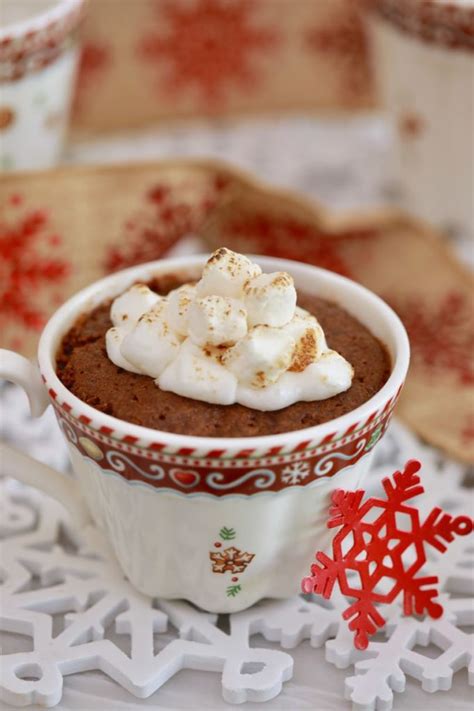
[(86, 370)]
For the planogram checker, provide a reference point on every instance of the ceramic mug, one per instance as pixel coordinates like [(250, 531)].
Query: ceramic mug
[(222, 522), (38, 61), (424, 68)]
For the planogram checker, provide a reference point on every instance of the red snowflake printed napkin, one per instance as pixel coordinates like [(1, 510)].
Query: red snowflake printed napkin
[(64, 229), (158, 59)]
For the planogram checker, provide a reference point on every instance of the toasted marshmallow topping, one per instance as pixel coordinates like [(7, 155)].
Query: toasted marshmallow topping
[(152, 344), (127, 308), (217, 321), (113, 343), (226, 273), (261, 357), (309, 338), (179, 302), (235, 336), (270, 299), (194, 374)]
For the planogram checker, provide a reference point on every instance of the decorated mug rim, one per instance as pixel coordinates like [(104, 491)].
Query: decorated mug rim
[(39, 21), (447, 23), (112, 285)]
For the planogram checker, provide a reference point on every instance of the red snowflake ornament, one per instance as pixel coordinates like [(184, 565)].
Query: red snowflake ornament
[(374, 546)]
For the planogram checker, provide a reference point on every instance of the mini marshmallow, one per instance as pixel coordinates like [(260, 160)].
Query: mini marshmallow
[(261, 357), (303, 313), (331, 375), (217, 321), (310, 341), (113, 341), (226, 273), (237, 336), (179, 302), (127, 308), (151, 345), (270, 299), (192, 374)]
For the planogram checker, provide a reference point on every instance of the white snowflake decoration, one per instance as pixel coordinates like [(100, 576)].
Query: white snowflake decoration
[(49, 569), (295, 473), (87, 586), (388, 663)]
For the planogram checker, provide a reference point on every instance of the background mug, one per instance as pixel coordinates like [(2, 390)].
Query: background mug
[(221, 522), (423, 60), (39, 53)]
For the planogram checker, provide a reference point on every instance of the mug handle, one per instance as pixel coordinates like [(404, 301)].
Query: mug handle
[(20, 370)]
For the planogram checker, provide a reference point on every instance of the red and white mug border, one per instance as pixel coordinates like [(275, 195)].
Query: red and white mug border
[(225, 471), (228, 476), (35, 43), (448, 24)]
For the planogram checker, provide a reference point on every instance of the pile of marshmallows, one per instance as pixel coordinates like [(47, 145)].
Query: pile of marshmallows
[(235, 336)]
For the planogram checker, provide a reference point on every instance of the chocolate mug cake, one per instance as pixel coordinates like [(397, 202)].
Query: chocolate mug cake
[(230, 356), (139, 363)]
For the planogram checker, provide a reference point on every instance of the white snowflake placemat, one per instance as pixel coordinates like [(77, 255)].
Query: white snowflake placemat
[(63, 590)]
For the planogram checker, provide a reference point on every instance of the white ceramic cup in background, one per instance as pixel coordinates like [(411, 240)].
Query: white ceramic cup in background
[(222, 522), (423, 58), (38, 61)]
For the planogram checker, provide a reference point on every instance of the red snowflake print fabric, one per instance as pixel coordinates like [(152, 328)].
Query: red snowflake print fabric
[(344, 42), (411, 125), (207, 46), (377, 558), (30, 269), (441, 334), (168, 214), (467, 433), (289, 238), (94, 60)]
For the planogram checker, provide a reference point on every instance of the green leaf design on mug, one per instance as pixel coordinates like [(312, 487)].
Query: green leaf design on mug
[(376, 435), (233, 590), (227, 534)]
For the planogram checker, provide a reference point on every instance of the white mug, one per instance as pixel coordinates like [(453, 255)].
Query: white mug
[(221, 522), (38, 60), (423, 58)]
